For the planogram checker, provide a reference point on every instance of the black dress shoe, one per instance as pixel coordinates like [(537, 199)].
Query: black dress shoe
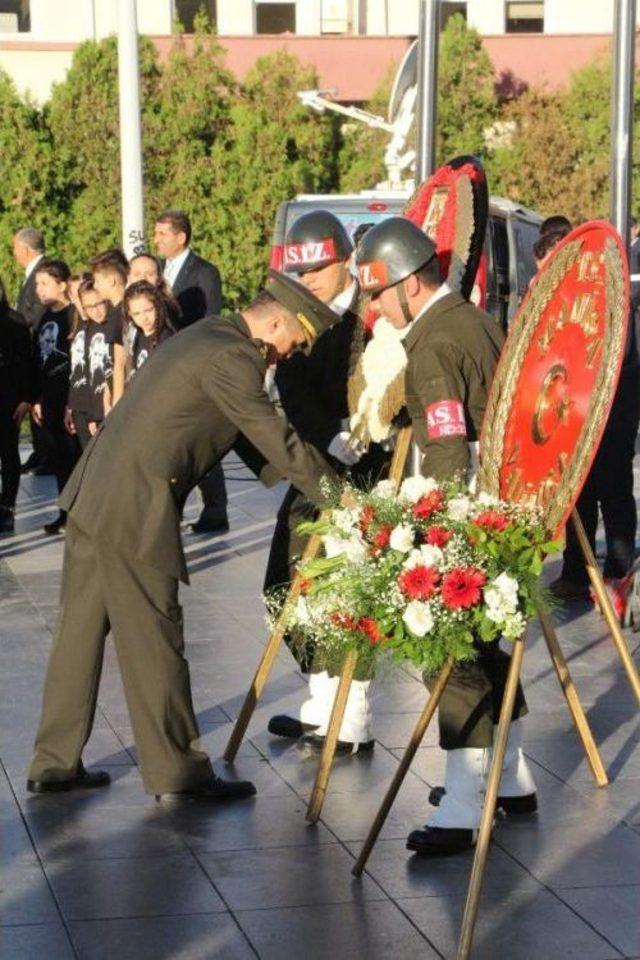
[(56, 526), (316, 742), (86, 780), (511, 806), (219, 790), (569, 591), (7, 522), (284, 726), (440, 842), (203, 526)]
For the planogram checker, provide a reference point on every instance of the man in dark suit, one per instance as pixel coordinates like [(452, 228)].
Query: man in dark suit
[(28, 251), (123, 561), (196, 286)]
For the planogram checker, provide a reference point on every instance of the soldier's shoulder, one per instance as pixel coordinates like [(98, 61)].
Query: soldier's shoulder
[(464, 324)]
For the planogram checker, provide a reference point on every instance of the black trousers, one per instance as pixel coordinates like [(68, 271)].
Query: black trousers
[(472, 699), (214, 496), (9, 455), (61, 448), (609, 487), (81, 423)]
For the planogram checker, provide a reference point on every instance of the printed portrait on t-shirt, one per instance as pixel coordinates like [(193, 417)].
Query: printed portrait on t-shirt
[(78, 375), (47, 340), (99, 361), (142, 356)]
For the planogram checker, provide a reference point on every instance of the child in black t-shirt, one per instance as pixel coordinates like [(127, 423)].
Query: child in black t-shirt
[(51, 367), (145, 309), (103, 333)]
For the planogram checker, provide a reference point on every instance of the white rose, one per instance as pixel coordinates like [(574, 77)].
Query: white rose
[(414, 488), (418, 618), (508, 587), (385, 489), (458, 508), (401, 538), (333, 546), (302, 613), (345, 519), (487, 499), (355, 548), (431, 556)]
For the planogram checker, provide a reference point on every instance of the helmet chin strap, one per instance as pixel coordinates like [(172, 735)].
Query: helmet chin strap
[(404, 303)]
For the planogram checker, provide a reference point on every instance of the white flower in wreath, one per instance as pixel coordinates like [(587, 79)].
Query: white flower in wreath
[(514, 626), (414, 488), (353, 547), (385, 489), (501, 598), (402, 538), (458, 508), (345, 520), (302, 613), (487, 499), (426, 555), (418, 618)]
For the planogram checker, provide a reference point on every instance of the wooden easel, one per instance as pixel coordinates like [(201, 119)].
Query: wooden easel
[(562, 672)]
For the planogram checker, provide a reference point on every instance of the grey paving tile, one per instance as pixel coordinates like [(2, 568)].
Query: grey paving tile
[(350, 815), (375, 931), (35, 943), (402, 874), (613, 911), (267, 822), (73, 832), (534, 926), (100, 889), (161, 938), (25, 896), (574, 855), (287, 877)]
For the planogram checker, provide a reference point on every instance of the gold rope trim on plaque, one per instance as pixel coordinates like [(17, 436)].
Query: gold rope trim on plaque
[(502, 397)]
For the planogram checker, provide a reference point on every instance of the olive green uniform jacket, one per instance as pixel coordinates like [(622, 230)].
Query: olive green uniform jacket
[(453, 351), (123, 552)]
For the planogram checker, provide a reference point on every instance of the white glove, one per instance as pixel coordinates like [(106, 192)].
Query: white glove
[(346, 450)]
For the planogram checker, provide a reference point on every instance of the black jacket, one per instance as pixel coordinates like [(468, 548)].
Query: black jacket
[(28, 305), (197, 289), (16, 371)]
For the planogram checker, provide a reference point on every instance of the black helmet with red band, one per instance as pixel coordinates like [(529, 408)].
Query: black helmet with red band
[(391, 251), (315, 240)]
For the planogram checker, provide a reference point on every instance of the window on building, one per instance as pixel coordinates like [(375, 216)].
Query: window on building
[(524, 17), (337, 16), (15, 16), (275, 17), (449, 9), (186, 10)]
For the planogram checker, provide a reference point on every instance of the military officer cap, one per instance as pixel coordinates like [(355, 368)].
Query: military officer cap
[(391, 251), (312, 314), (317, 239)]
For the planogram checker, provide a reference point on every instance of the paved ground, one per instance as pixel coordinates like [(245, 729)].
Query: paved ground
[(113, 876)]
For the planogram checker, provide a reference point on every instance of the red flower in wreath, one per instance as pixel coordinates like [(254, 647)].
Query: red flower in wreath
[(428, 505), (371, 630), (305, 585), (343, 621), (419, 583), (492, 520), (367, 515), (461, 587), (437, 536), (382, 536)]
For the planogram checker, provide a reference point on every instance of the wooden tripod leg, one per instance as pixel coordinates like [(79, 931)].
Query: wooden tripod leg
[(400, 454), (331, 739), (267, 660), (573, 701), (403, 768), (605, 605), (489, 808)]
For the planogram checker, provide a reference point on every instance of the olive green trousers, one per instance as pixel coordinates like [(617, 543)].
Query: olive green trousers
[(104, 590)]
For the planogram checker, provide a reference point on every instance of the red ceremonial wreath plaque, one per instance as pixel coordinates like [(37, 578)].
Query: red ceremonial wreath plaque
[(556, 379)]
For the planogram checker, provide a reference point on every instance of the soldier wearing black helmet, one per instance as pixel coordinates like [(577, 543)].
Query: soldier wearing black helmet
[(313, 393), (452, 349)]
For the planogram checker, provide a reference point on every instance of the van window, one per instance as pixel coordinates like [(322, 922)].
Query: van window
[(525, 235), (497, 301)]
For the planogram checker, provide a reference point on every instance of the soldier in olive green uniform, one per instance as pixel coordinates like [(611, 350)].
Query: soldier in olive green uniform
[(123, 554), (452, 349)]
